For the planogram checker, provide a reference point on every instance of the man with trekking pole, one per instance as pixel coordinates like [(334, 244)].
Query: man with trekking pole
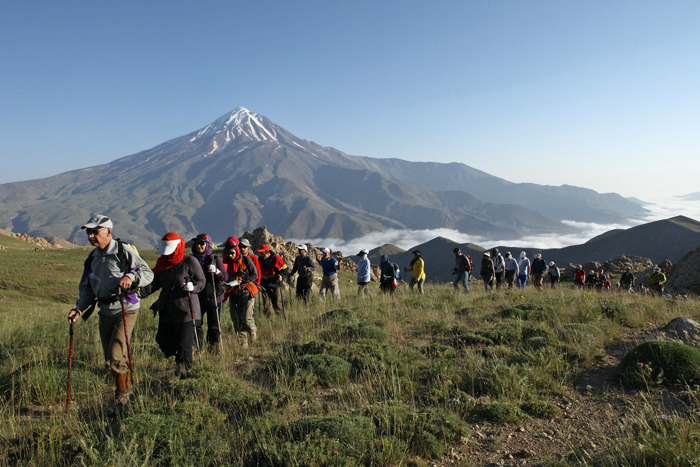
[(112, 274)]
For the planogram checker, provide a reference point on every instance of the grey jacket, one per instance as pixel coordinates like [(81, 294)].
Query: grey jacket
[(103, 276)]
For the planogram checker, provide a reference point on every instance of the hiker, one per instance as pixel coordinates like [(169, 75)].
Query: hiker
[(627, 280), (178, 276), (554, 274), (523, 270), (417, 266), (329, 281), (272, 269), (579, 276), (499, 266), (304, 266), (511, 269), (364, 274), (388, 275), (602, 281), (242, 292), (591, 279), (212, 296), (487, 271), (656, 280), (461, 270), (539, 269), (246, 250), (112, 268)]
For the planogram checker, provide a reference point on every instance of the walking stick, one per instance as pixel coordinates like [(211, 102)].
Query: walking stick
[(70, 364), (194, 327), (126, 338), (216, 310)]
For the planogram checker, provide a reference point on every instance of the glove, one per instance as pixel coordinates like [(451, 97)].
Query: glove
[(188, 287), (213, 269)]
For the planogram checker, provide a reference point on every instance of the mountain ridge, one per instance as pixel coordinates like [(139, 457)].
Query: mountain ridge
[(242, 171)]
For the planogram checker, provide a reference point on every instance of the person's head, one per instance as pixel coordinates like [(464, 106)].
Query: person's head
[(538, 256), (231, 248), (326, 252), (457, 251), (508, 254), (244, 245), (628, 269), (172, 245), (551, 264), (264, 252), (99, 230), (302, 249), (200, 244), (657, 269), (591, 272), (384, 259), (416, 253), (487, 254), (523, 255), (363, 253), (578, 266), (494, 252)]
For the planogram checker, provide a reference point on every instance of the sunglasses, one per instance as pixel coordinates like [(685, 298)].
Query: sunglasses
[(93, 231)]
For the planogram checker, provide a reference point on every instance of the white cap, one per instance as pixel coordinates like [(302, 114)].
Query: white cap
[(551, 263), (363, 251), (522, 254), (98, 221), (301, 247), (486, 253), (538, 256), (167, 247), (326, 250)]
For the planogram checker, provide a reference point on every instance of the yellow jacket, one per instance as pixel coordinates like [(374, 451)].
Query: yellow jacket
[(419, 269)]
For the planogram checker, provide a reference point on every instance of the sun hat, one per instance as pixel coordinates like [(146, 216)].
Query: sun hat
[(98, 221), (245, 242), (168, 246)]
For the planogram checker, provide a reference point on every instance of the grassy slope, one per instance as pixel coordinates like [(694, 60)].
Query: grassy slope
[(387, 382)]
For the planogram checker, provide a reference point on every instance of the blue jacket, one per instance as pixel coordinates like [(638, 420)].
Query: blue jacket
[(363, 271)]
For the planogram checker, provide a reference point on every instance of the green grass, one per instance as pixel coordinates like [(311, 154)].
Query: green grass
[(387, 381)]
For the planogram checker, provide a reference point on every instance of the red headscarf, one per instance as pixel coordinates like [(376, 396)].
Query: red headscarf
[(166, 262)]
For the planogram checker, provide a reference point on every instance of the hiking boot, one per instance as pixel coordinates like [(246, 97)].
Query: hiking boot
[(123, 391)]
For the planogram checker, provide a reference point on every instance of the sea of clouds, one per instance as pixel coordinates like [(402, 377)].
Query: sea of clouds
[(406, 239)]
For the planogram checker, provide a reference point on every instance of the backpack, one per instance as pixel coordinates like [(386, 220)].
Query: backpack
[(124, 265), (468, 262)]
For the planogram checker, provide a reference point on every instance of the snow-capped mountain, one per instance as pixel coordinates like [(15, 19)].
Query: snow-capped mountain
[(243, 171)]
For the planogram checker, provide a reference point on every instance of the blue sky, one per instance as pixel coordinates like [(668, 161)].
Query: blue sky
[(601, 94)]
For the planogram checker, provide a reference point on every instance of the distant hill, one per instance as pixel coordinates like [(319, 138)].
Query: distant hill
[(242, 171), (660, 240)]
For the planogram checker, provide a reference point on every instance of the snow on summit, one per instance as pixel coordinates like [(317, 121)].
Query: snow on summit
[(239, 123)]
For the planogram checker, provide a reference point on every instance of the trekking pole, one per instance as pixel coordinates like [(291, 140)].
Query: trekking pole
[(70, 364), (126, 338), (194, 327), (216, 310)]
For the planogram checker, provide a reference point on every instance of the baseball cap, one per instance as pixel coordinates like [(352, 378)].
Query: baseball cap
[(98, 221), (263, 249), (363, 251), (245, 242), (326, 250), (302, 247)]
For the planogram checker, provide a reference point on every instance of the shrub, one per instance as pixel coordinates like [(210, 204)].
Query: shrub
[(426, 432), (316, 440), (529, 311), (469, 339), (508, 332), (657, 362), (541, 409), (499, 412), (329, 369), (356, 331)]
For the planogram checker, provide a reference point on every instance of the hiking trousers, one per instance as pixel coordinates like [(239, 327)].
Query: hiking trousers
[(113, 341), (329, 282), (243, 317), (418, 282)]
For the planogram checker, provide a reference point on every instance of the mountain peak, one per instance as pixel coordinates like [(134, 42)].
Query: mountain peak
[(240, 123)]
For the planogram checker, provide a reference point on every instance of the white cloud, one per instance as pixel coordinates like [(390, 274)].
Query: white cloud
[(407, 239)]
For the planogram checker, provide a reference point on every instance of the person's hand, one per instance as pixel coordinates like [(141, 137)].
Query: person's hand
[(188, 287), (73, 315), (125, 283)]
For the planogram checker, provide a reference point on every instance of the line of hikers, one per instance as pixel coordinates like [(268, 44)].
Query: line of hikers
[(196, 285)]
